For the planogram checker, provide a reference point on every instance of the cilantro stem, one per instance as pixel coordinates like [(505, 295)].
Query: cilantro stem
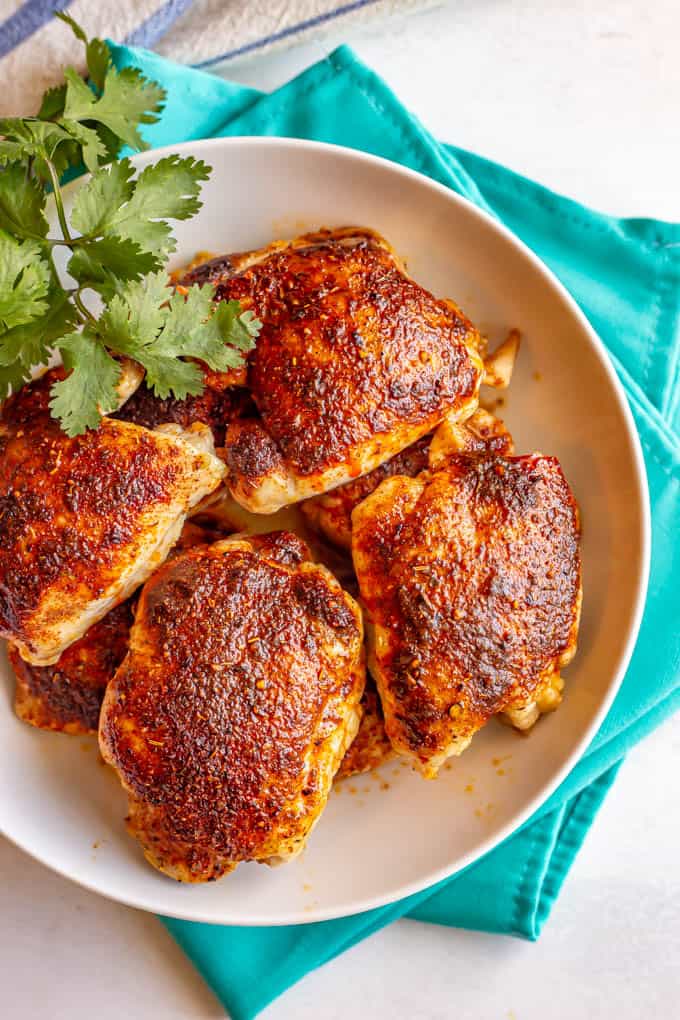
[(86, 315), (85, 312), (58, 201), (82, 307), (71, 243)]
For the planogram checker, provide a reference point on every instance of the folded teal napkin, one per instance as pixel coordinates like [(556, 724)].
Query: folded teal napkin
[(625, 274)]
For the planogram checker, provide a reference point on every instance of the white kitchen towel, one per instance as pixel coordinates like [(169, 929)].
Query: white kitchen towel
[(35, 46)]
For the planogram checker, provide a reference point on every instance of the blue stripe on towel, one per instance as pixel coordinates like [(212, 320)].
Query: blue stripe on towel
[(31, 16), (318, 19), (154, 28)]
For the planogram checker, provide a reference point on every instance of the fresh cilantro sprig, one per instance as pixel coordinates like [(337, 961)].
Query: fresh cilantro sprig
[(117, 239)]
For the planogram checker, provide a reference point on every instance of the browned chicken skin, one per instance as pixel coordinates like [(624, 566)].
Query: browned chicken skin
[(84, 521), (67, 696), (231, 713), (224, 399), (354, 362), (331, 513), (471, 579)]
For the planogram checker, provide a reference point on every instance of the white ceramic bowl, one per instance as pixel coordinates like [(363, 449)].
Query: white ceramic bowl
[(383, 837)]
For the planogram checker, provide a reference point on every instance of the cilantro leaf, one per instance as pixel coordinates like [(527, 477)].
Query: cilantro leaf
[(91, 274), (220, 339), (122, 257), (169, 188), (157, 328), (35, 137), (24, 281), (113, 203), (12, 378), (89, 390), (22, 203), (127, 99), (98, 200), (99, 264), (184, 314), (134, 317), (80, 99), (94, 150), (153, 236), (98, 57), (11, 152), (32, 343), (110, 141), (39, 140), (97, 52), (238, 328), (167, 375), (52, 103)]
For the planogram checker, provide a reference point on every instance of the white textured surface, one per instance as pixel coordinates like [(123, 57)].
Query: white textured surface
[(214, 27), (586, 101), (581, 96)]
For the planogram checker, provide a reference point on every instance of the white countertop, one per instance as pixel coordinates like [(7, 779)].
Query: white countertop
[(587, 102)]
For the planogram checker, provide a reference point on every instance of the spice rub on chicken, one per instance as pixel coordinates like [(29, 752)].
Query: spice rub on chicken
[(471, 580), (85, 520), (331, 513), (230, 715), (67, 695), (224, 398), (355, 361)]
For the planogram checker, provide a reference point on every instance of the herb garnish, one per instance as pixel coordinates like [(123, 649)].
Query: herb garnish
[(117, 238)]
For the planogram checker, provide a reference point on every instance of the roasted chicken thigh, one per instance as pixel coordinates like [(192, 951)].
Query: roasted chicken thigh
[(354, 362), (84, 521), (471, 580), (230, 715)]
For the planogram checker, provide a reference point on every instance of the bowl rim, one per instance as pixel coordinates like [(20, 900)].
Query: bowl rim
[(155, 904)]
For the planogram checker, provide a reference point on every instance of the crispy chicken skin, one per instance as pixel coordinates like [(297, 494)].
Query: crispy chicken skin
[(355, 361), (331, 513), (230, 715), (67, 696), (371, 746), (471, 580), (224, 399), (84, 521)]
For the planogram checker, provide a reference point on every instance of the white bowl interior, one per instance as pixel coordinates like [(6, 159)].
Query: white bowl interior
[(387, 834)]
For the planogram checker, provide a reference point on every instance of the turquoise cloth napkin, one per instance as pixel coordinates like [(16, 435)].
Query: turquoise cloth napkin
[(625, 274)]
